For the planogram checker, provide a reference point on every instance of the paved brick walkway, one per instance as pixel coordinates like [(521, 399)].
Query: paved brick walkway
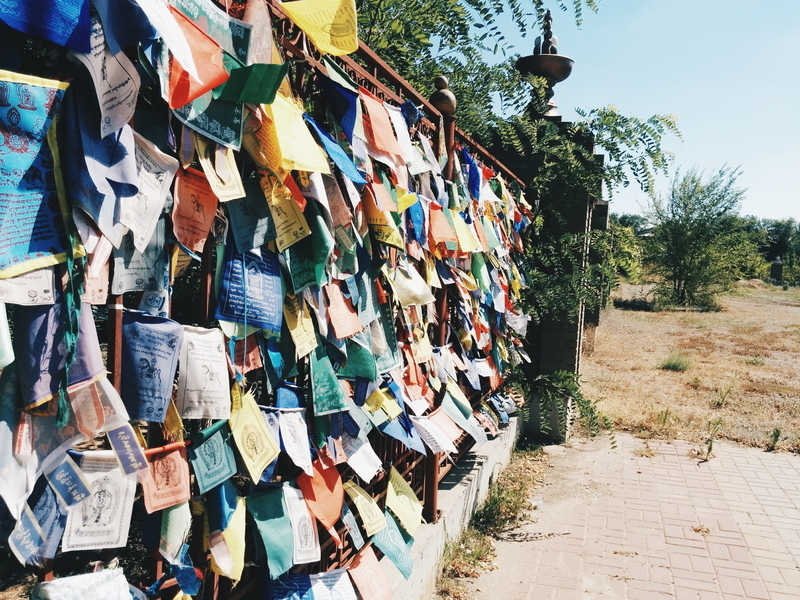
[(616, 525)]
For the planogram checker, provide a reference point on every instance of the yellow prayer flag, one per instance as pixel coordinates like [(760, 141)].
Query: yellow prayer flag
[(301, 325), (173, 424), (332, 25), (368, 509), (403, 502), (405, 199), (382, 225), (375, 400), (262, 145), (290, 222), (253, 439), (227, 547), (391, 407), (297, 147), (466, 238), (501, 348), (431, 275)]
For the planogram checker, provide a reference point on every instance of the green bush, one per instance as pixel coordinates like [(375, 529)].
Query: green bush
[(676, 362)]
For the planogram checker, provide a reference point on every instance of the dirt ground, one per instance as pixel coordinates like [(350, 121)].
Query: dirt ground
[(744, 374)]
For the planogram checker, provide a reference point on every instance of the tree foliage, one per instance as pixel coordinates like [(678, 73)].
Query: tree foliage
[(423, 39), (633, 146), (564, 174), (556, 155), (625, 251), (458, 38), (559, 278), (637, 223), (699, 245), (782, 238)]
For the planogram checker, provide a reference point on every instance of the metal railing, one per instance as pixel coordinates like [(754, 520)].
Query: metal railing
[(423, 473)]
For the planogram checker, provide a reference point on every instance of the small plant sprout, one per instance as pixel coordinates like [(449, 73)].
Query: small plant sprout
[(774, 437), (721, 397), (755, 360), (663, 417), (676, 362), (646, 452), (714, 427)]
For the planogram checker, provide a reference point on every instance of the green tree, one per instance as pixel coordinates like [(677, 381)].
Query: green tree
[(638, 223), (783, 238), (625, 252), (699, 245)]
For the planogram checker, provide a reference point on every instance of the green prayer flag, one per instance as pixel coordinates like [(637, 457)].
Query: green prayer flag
[(360, 363), (326, 392), (271, 516), (395, 545), (255, 84), (211, 455)]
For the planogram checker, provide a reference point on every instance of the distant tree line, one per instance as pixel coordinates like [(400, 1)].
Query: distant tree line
[(693, 243)]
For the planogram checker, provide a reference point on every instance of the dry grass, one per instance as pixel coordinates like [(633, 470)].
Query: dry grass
[(744, 369), (507, 504)]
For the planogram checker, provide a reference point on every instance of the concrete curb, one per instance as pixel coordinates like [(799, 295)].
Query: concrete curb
[(460, 495)]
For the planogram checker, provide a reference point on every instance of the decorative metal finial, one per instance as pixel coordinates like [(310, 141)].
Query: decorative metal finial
[(443, 99), (547, 63), (547, 43)]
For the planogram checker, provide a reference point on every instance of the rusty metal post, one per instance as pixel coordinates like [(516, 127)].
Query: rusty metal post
[(206, 281), (450, 145), (445, 102), (114, 341), (431, 487)]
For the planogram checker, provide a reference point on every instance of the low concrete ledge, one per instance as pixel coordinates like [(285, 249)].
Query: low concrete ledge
[(460, 495)]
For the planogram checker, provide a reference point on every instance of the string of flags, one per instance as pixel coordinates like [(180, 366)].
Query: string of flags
[(154, 134)]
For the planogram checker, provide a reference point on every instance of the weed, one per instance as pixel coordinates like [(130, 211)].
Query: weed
[(506, 504), (714, 427), (721, 397), (676, 362), (755, 360), (561, 392), (663, 417), (646, 452), (773, 439), (470, 555)]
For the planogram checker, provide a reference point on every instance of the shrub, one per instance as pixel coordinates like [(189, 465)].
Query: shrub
[(676, 362)]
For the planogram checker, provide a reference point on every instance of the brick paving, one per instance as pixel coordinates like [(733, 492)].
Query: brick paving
[(616, 525)]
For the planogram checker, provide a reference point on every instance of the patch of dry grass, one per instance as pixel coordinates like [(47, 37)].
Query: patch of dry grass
[(506, 505), (744, 369)]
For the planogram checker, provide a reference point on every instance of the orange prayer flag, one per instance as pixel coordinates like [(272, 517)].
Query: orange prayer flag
[(324, 495), (183, 88), (290, 183), (440, 231), (194, 208), (341, 314), (378, 125), (383, 198), (368, 576)]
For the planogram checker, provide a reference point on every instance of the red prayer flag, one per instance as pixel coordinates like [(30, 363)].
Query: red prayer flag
[(183, 88)]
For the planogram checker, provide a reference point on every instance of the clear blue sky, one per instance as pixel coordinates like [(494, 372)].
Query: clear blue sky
[(728, 69)]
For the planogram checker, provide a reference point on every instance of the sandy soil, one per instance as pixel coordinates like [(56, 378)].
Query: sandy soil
[(744, 368)]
